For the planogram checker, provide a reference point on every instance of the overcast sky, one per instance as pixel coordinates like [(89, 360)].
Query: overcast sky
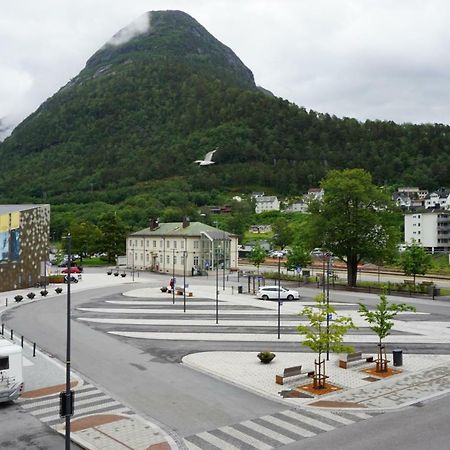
[(375, 59)]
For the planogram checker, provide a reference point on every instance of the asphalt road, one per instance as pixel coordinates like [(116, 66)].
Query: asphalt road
[(145, 375)]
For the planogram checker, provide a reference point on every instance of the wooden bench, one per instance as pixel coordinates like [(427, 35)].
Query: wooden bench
[(355, 357), (292, 372)]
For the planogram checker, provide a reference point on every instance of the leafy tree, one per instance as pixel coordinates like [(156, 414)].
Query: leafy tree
[(415, 260), (297, 257), (320, 338), (257, 256), (282, 234), (114, 233), (355, 219), (380, 322), (86, 238)]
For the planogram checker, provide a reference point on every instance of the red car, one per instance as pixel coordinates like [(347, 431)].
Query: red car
[(73, 269)]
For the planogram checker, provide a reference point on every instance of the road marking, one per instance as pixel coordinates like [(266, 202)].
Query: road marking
[(313, 422), (268, 432), (288, 426)]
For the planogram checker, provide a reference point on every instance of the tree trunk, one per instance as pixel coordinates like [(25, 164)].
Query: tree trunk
[(352, 270)]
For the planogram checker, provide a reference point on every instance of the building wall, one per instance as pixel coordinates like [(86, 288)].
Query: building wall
[(24, 246), (431, 230), (146, 256)]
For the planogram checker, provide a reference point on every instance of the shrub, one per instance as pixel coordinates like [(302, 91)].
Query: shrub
[(44, 292), (18, 298), (58, 290), (31, 295)]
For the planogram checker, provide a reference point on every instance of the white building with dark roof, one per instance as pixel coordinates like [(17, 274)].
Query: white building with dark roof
[(266, 203), (181, 247)]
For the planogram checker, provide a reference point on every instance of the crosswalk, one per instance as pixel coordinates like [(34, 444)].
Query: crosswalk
[(273, 431), (88, 400)]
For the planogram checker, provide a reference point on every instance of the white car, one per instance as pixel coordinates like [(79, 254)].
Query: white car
[(271, 293)]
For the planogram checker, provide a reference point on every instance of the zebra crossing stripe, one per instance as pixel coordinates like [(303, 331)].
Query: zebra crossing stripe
[(268, 432), (191, 445), (309, 421), (288, 426), (214, 440), (359, 415), (246, 438), (335, 417)]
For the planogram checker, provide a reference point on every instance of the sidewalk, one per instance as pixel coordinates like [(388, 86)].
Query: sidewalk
[(420, 378), (100, 422)]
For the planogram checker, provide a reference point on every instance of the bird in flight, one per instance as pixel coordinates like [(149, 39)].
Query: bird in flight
[(208, 159)]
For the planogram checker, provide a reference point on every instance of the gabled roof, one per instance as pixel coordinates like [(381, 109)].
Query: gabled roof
[(176, 229)]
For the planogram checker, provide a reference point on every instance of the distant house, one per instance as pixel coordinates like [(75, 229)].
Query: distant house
[(267, 203), (255, 195), (220, 209), (260, 228), (315, 193), (438, 199), (430, 229), (300, 206)]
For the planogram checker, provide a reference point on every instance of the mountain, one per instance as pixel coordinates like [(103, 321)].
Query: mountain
[(161, 94)]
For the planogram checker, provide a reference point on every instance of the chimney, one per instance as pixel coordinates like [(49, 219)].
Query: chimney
[(153, 224), (186, 222)]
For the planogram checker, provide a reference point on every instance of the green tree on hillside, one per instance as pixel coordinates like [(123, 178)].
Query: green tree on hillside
[(86, 239), (355, 220)]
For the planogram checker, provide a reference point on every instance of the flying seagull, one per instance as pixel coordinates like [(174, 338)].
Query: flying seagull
[(208, 159)]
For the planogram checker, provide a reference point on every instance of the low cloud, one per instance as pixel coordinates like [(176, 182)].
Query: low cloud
[(139, 26)]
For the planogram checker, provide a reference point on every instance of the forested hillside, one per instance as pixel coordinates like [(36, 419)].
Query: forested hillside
[(127, 129)]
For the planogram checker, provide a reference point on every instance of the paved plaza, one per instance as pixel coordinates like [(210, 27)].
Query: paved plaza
[(145, 313)]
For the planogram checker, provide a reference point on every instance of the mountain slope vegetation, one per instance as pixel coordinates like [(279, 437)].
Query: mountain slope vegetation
[(127, 129)]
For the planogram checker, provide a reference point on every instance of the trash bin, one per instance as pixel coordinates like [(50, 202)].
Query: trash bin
[(239, 289), (397, 356)]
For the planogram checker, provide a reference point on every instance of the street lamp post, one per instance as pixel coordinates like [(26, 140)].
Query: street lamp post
[(217, 287), (132, 267), (279, 301), (173, 276), (224, 258), (184, 281), (328, 305), (67, 398)]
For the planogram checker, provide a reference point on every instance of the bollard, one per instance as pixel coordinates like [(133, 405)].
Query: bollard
[(232, 290), (3, 329), (21, 341), (6, 301), (12, 334), (34, 348)]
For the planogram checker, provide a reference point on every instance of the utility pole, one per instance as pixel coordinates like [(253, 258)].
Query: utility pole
[(279, 301)]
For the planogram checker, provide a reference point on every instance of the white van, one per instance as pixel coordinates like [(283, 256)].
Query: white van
[(11, 371)]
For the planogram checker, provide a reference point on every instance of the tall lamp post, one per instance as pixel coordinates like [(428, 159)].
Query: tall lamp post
[(67, 397), (184, 281), (224, 258), (217, 286), (173, 276), (279, 301), (328, 305)]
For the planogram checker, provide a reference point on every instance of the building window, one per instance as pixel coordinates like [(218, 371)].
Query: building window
[(147, 257), (168, 259), (174, 259), (142, 242), (195, 260), (195, 244), (154, 244), (168, 244), (174, 244), (142, 256)]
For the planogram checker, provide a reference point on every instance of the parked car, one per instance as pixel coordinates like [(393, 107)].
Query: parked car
[(276, 254), (73, 269), (271, 293)]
